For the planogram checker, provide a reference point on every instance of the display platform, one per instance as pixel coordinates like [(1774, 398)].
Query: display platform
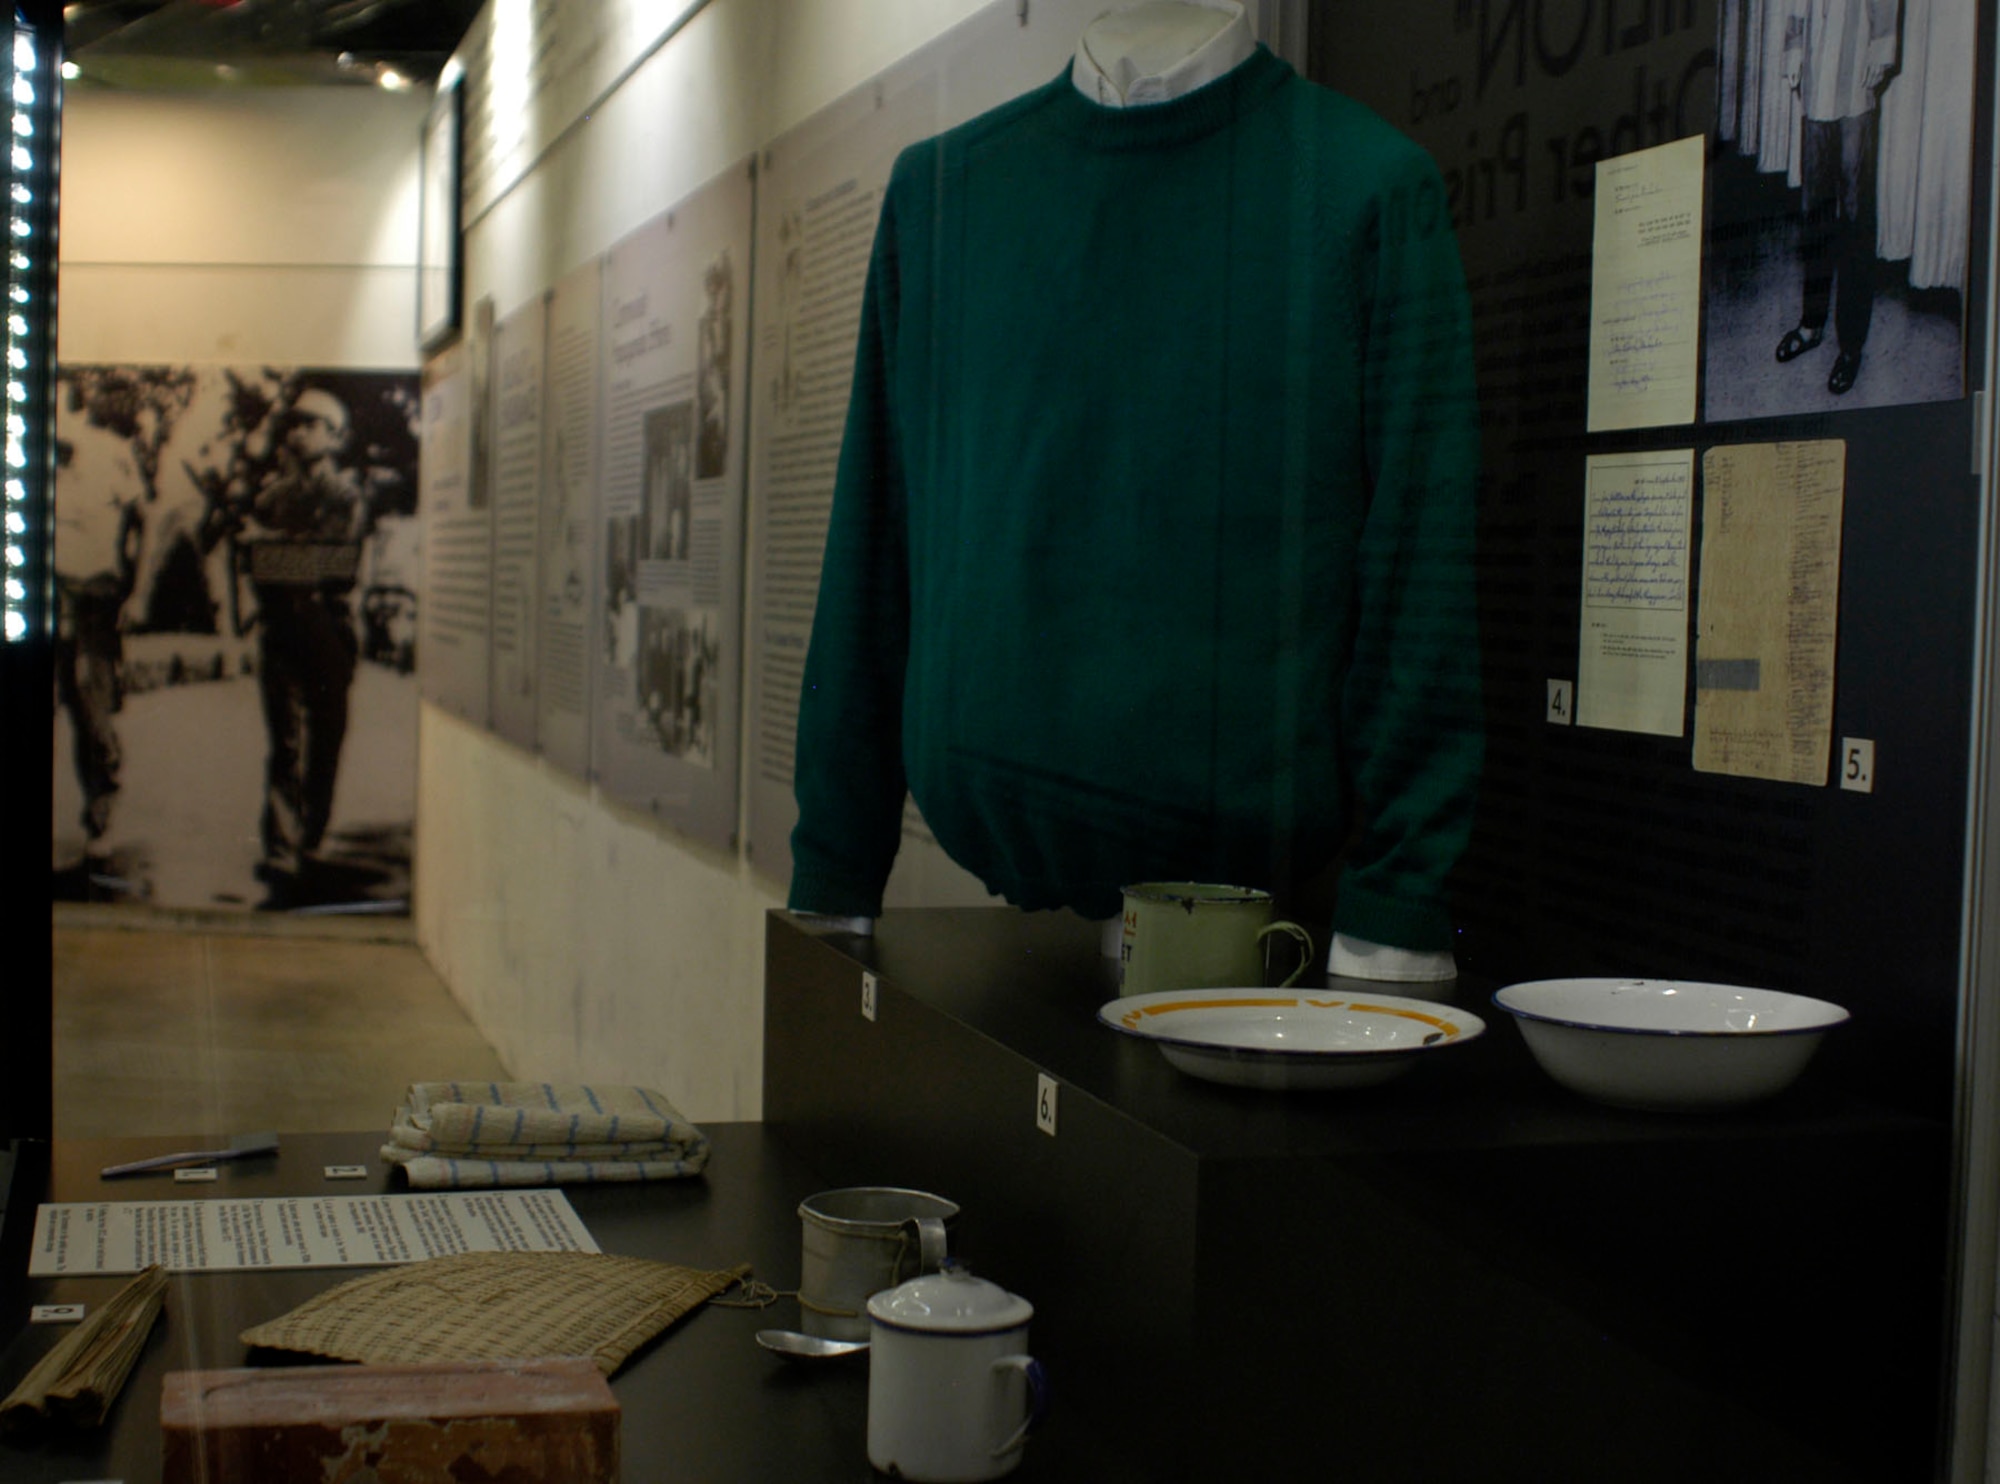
[(701, 1402), (1466, 1273)]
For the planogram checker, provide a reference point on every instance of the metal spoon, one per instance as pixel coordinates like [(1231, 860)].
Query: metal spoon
[(790, 1342)]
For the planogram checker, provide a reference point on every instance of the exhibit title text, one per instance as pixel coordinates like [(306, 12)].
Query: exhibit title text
[(626, 348), (1495, 160)]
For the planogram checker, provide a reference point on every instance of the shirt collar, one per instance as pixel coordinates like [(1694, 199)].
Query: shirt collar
[(1221, 54)]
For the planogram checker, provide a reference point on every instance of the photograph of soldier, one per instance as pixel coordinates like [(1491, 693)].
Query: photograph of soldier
[(712, 362), (101, 525), (1838, 54), (667, 493), (303, 530), (1839, 206), (621, 592), (268, 574)]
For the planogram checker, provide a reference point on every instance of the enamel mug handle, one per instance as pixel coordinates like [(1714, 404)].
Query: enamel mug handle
[(1305, 948), (1038, 1398)]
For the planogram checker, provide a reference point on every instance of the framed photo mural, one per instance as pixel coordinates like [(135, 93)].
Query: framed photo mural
[(439, 265), (237, 563)]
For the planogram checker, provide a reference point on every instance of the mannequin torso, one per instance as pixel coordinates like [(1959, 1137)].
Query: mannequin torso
[(1154, 53)]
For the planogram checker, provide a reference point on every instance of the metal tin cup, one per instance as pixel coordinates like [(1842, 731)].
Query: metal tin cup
[(859, 1241), (1190, 935)]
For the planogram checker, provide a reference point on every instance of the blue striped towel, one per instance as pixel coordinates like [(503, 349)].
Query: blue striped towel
[(468, 1134)]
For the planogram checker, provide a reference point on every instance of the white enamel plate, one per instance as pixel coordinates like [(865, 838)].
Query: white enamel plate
[(1286, 1039)]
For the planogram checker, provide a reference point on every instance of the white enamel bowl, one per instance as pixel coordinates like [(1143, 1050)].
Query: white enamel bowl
[(1283, 1039), (1668, 1044)]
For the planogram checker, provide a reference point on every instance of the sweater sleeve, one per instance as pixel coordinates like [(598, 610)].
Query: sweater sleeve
[(848, 769), (1411, 708)]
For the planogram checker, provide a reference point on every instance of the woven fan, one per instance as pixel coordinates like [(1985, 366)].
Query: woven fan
[(496, 1306)]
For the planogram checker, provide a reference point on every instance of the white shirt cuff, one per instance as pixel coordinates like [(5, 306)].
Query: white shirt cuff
[(1357, 958), (830, 922)]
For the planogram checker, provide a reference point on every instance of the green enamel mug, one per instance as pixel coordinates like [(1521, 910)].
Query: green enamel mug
[(1191, 935)]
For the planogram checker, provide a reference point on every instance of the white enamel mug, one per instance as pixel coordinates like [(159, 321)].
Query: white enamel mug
[(952, 1391)]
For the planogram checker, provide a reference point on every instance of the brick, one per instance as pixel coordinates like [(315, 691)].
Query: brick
[(475, 1422)]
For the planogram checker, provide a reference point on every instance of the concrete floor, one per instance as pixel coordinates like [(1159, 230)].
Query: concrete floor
[(212, 1024)]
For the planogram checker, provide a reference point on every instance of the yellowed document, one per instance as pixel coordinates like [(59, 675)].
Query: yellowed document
[(1770, 609), (1632, 660), (1645, 287)]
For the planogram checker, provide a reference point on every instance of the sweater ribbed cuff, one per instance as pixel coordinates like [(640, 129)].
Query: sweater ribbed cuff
[(832, 894), (1396, 921)]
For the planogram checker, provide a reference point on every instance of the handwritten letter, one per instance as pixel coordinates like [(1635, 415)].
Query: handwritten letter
[(1645, 287), (1770, 609), (1632, 665)]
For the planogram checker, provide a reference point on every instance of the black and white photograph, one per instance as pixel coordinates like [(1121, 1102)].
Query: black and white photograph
[(565, 529), (621, 593), (666, 495), (1839, 206), (789, 295), (677, 674), (479, 357), (714, 331), (237, 566)]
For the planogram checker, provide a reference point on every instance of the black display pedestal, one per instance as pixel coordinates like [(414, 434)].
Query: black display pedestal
[(1466, 1274)]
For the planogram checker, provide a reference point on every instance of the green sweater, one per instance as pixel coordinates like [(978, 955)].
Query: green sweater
[(1151, 547)]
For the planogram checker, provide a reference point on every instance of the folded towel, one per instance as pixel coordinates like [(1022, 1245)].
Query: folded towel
[(457, 1134), (432, 1172)]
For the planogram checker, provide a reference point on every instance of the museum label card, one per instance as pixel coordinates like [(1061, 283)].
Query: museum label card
[(1645, 287), (1632, 659), (1770, 609), (349, 1231)]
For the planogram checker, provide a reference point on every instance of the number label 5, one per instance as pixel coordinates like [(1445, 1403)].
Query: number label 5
[(1857, 765)]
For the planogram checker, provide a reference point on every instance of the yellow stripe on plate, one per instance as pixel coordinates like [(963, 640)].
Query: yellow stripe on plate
[(1289, 1003), (1132, 1017)]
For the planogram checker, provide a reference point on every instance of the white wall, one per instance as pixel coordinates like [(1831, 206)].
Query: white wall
[(246, 225)]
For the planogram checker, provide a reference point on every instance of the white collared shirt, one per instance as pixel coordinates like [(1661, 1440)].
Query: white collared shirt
[(1116, 82)]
